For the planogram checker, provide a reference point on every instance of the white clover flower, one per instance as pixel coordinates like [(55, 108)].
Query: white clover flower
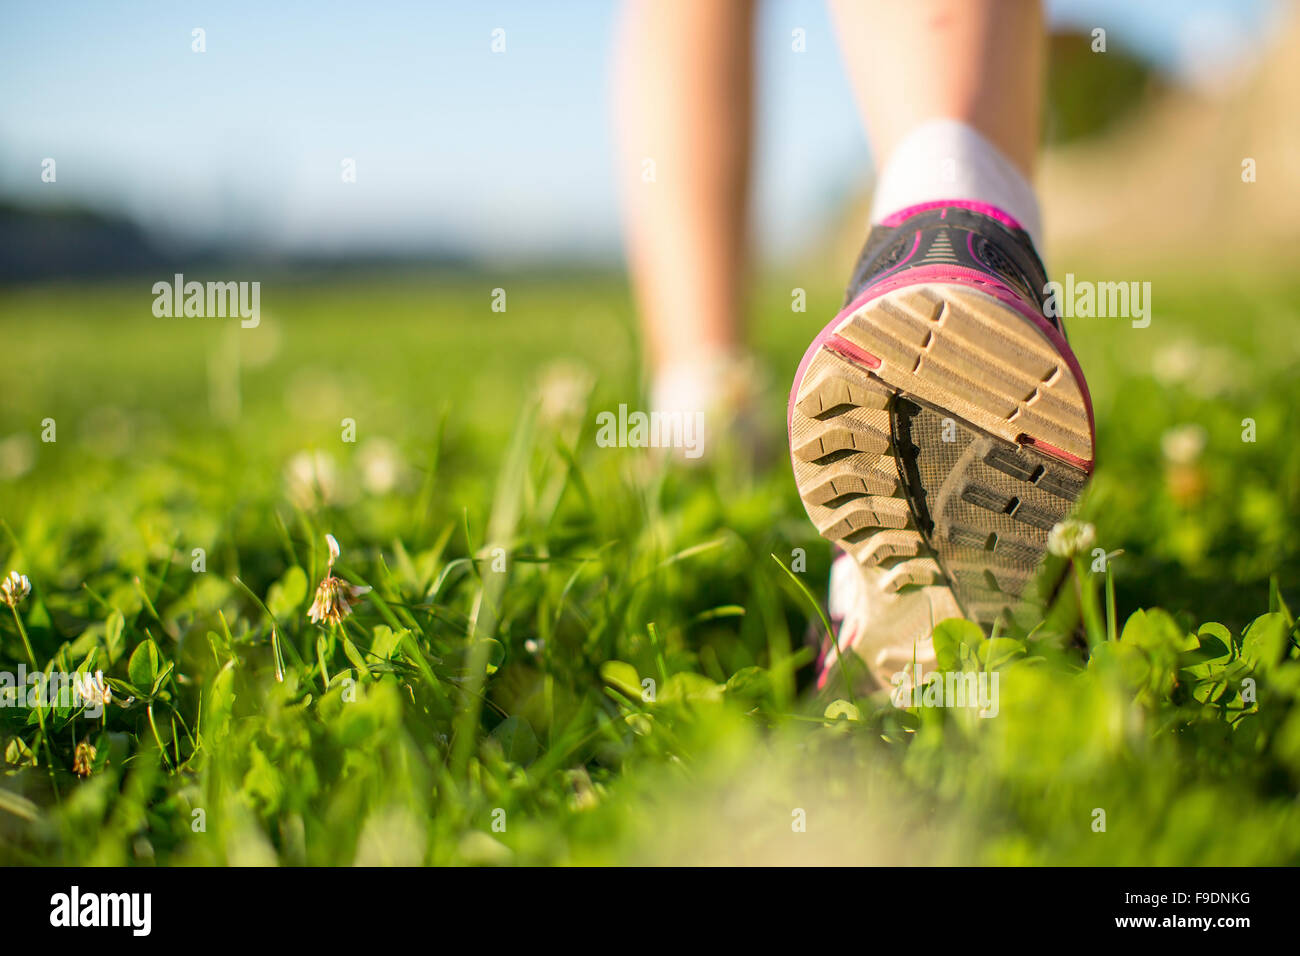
[(335, 597), (14, 588), (1068, 538), (93, 689), (382, 467), (1207, 371), (312, 479), (334, 600), (17, 455), (1183, 444), (562, 390), (1176, 363)]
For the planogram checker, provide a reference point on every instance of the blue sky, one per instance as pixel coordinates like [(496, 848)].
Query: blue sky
[(504, 156)]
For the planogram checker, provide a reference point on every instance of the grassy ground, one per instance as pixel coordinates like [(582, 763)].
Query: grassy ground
[(487, 705)]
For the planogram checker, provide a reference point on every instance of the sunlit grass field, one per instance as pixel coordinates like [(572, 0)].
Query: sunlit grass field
[(487, 701)]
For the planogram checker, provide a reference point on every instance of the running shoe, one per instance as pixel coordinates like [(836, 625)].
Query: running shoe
[(939, 427)]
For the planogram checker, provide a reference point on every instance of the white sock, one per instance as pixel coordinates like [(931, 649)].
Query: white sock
[(947, 159), (720, 388), (689, 386)]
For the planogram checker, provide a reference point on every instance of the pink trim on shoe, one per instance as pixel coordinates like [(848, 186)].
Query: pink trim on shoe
[(1049, 449), (846, 348), (993, 212)]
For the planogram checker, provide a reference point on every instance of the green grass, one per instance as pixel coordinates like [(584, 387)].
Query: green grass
[(460, 695)]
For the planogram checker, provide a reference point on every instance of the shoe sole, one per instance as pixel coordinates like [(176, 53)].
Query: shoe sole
[(938, 433)]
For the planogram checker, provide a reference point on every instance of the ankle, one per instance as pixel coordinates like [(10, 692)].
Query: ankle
[(948, 160)]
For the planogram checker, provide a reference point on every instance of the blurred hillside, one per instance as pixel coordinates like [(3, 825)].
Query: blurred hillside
[(1165, 182), (39, 244)]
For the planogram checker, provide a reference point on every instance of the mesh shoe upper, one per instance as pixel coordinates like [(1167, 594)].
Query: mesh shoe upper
[(952, 234)]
